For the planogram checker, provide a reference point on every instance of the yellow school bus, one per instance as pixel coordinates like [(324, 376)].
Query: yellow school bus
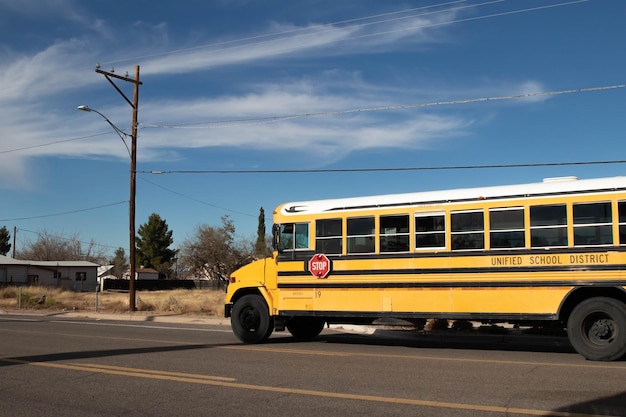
[(548, 251)]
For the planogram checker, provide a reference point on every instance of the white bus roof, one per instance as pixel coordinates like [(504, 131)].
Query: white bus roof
[(549, 186)]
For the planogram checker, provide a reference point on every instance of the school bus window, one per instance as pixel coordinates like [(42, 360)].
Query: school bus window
[(506, 228), (294, 236), (467, 230), (361, 234), (394, 233), (548, 225), (328, 236), (621, 208), (592, 224), (430, 231)]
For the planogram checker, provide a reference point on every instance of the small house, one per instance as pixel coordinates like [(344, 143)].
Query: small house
[(146, 274), (69, 275)]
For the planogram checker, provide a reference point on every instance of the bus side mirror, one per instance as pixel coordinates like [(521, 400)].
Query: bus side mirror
[(276, 238)]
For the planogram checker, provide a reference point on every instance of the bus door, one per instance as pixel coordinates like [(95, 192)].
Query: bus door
[(294, 283)]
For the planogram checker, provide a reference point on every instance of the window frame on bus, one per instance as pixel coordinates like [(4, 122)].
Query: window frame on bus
[(542, 224), (392, 233), (437, 230), (368, 239), (477, 231), (326, 237), (602, 225), (511, 229)]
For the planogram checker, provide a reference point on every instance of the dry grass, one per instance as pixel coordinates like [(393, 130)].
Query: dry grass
[(199, 302)]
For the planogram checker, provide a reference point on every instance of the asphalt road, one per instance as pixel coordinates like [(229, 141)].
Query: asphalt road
[(52, 366)]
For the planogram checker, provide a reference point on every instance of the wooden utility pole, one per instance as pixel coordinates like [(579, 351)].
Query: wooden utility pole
[(133, 169)]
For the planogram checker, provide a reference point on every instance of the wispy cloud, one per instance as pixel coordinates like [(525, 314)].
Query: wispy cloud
[(284, 39), (335, 136), (59, 68), (39, 93)]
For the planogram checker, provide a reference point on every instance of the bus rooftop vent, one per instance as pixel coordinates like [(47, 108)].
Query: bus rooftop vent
[(560, 179)]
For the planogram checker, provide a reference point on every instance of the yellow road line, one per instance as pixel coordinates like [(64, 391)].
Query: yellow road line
[(229, 383), (154, 372), (260, 348)]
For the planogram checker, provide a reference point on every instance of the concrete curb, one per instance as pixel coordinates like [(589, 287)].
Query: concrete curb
[(134, 317)]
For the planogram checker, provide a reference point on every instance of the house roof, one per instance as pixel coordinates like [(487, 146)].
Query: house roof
[(5, 260), (146, 271), (105, 270)]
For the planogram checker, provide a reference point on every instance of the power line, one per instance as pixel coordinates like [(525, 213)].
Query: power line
[(65, 212), (66, 238), (272, 119), (469, 19), (276, 34), (290, 31), (420, 26), (233, 123), (194, 199), (344, 170), (41, 145)]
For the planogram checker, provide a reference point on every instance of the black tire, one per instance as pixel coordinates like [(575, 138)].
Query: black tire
[(597, 329), (305, 328), (250, 319)]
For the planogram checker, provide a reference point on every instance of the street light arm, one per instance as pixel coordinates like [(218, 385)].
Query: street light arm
[(119, 131)]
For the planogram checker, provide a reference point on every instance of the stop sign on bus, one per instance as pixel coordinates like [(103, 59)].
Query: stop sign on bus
[(319, 265)]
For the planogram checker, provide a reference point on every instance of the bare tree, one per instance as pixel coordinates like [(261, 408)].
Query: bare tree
[(50, 247), (214, 252)]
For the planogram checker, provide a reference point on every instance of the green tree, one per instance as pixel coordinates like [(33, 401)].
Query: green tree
[(153, 246), (260, 248), (119, 263), (5, 241)]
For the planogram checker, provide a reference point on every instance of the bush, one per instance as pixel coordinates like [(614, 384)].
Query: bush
[(9, 293)]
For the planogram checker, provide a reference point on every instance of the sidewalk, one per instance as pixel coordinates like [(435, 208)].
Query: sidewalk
[(138, 316)]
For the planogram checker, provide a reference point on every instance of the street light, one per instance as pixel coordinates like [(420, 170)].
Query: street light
[(132, 153), (119, 131)]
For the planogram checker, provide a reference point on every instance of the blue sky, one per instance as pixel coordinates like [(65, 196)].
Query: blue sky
[(219, 77)]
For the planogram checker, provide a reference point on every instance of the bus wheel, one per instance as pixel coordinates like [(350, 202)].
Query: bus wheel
[(250, 319), (305, 328), (597, 329)]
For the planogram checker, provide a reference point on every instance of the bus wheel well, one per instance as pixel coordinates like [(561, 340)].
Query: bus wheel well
[(580, 294), (245, 291)]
